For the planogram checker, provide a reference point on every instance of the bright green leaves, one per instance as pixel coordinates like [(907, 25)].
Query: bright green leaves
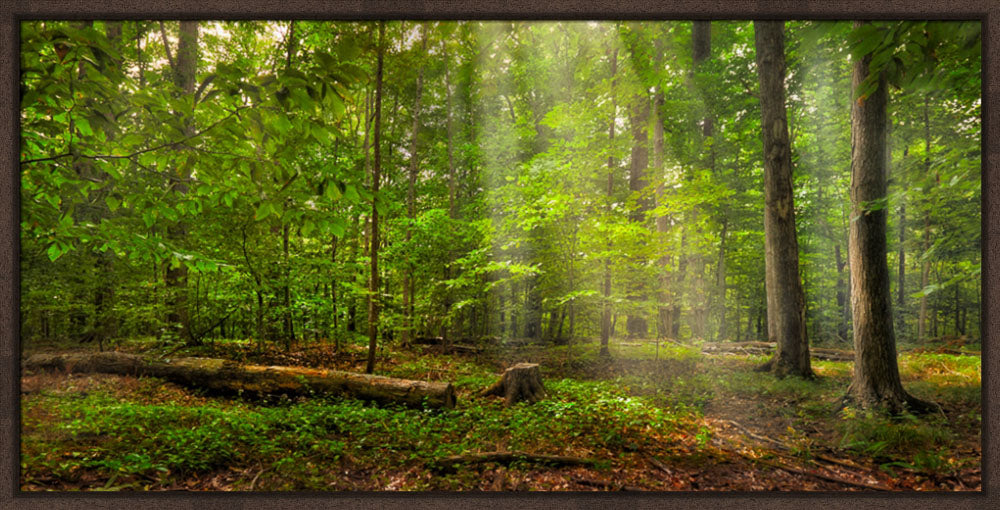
[(57, 249), (266, 209), (908, 53)]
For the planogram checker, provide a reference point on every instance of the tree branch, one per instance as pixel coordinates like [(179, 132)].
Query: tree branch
[(166, 46), (143, 151)]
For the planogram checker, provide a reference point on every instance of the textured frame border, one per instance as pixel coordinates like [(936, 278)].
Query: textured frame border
[(13, 11)]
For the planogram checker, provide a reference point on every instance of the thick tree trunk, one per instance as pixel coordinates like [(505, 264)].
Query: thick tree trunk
[(519, 383), (373, 286), (184, 70), (876, 382), (786, 325), (635, 323), (227, 377), (701, 50), (664, 323)]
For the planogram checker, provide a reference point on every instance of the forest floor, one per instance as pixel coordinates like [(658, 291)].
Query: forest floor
[(651, 417)]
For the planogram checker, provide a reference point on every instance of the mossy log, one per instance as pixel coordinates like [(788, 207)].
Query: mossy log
[(223, 376), (520, 382)]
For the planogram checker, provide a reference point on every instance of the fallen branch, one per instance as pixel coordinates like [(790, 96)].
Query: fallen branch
[(773, 442), (829, 478), (659, 464)]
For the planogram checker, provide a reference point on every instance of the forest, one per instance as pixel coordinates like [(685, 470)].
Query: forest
[(500, 255)]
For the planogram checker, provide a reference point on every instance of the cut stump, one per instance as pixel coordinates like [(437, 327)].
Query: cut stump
[(521, 382)]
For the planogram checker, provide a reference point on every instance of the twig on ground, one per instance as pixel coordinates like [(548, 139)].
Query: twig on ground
[(821, 476), (756, 436), (254, 481), (659, 464)]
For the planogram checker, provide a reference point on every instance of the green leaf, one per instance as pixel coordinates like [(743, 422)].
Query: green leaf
[(337, 227), (54, 252), (263, 211), (282, 124), (113, 203), (351, 194), (332, 192), (84, 126)]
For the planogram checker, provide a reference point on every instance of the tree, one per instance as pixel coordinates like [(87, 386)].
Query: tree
[(786, 322), (408, 291), (373, 288), (876, 382), (185, 68), (606, 325)]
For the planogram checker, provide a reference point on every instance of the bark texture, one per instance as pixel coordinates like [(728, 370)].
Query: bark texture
[(635, 323), (519, 383), (223, 376), (184, 69), (786, 324), (876, 382), (376, 177)]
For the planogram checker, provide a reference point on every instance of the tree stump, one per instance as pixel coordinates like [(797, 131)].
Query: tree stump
[(521, 382)]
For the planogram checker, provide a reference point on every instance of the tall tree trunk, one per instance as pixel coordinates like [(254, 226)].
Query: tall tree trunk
[(411, 209), (333, 290), (841, 294), (701, 50), (675, 312), (720, 281), (451, 183), (901, 274), (373, 287), (289, 332), (635, 323), (876, 382), (184, 70), (606, 288), (925, 272), (663, 325), (786, 324)]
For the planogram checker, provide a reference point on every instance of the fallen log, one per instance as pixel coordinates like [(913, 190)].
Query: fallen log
[(457, 349), (767, 348), (224, 376)]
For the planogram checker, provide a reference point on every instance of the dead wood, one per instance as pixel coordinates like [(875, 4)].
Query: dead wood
[(821, 476), (223, 376), (520, 382)]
